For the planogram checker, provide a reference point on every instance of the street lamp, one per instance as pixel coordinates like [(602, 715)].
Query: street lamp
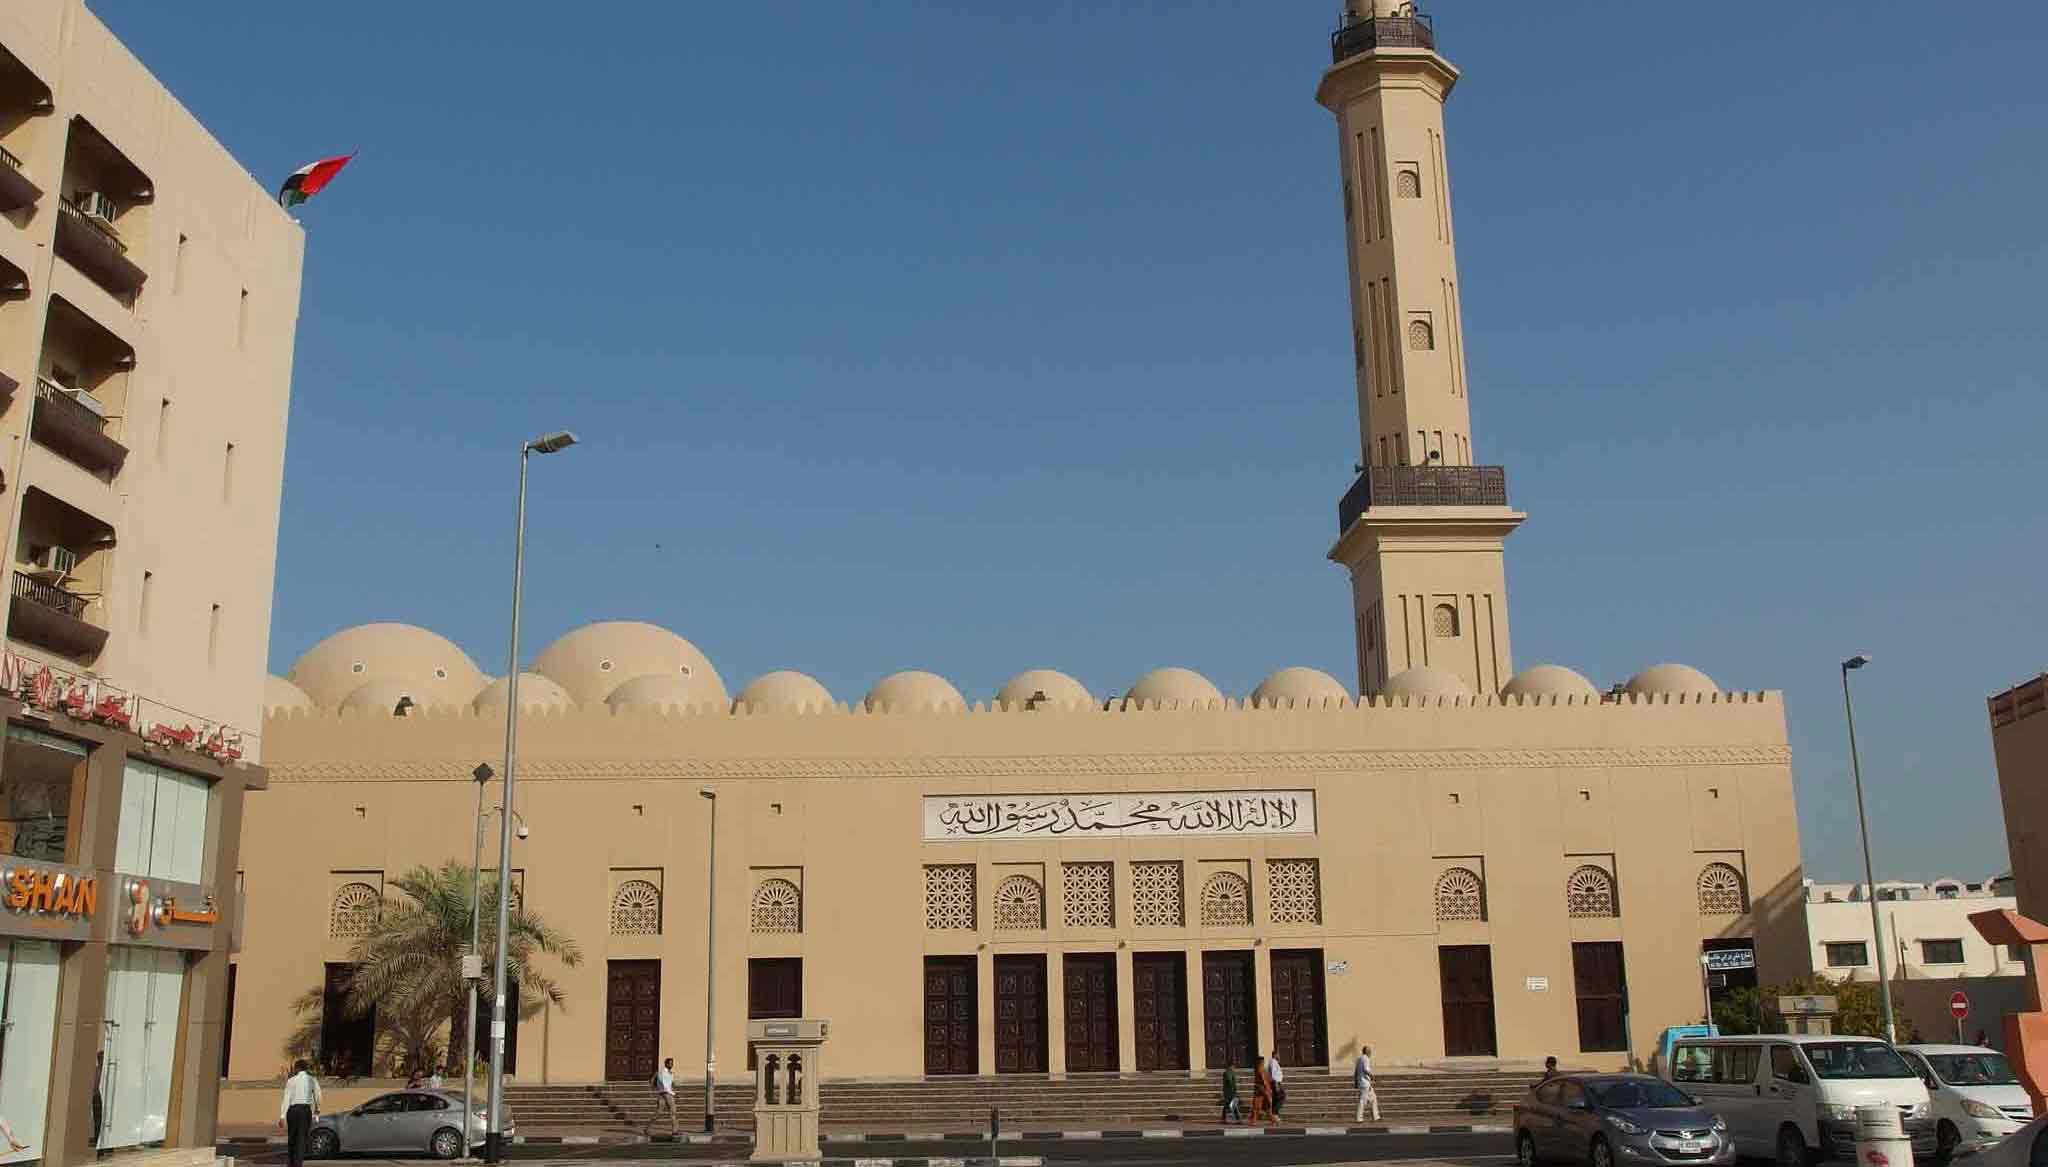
[(494, 1140), (473, 964), (1884, 981), (710, 954), (1707, 985)]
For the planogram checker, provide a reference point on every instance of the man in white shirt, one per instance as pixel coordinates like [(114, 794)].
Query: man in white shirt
[(1361, 1079), (301, 1106), (664, 1096), (1276, 1077)]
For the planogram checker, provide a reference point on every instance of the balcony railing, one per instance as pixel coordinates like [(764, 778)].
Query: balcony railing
[(75, 430), (1382, 32), (47, 615), (97, 250), (49, 595), (16, 191), (1423, 486)]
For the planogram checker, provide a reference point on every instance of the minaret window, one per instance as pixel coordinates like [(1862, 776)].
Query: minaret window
[(1408, 181), (1421, 336), (1443, 622)]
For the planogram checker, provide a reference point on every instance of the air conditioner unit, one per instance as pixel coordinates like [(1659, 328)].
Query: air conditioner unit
[(54, 563), (97, 206)]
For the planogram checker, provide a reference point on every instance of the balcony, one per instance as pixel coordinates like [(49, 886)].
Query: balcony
[(16, 191), (13, 282), (1364, 34), (45, 614), (70, 422), (96, 249), (1422, 486)]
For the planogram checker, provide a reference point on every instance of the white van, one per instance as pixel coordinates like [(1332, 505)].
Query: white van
[(1793, 1097), (1975, 1097)]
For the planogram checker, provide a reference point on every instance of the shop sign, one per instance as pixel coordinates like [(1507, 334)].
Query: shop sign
[(1730, 959), (1536, 984), (163, 914), (48, 901), (1183, 815)]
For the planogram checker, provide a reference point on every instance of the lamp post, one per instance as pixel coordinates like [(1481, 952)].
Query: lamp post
[(1707, 986), (1884, 980), (473, 964), (710, 955), (494, 1139)]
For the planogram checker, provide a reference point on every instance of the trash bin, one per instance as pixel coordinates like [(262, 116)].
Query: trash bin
[(1881, 1137)]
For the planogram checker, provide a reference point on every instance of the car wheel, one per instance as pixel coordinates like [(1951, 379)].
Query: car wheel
[(1603, 1155), (1946, 1139), (1525, 1150), (446, 1143), (1791, 1147), (323, 1144)]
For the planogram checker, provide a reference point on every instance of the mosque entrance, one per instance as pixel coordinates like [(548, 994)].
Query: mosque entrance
[(1020, 1015), (1230, 1016), (632, 1019), (952, 1024), (1467, 974), (1299, 1028), (1159, 991), (1091, 1011)]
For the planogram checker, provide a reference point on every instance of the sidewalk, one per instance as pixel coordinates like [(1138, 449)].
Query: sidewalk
[(583, 1136)]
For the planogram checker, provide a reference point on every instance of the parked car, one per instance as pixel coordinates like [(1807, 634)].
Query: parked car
[(2026, 1147), (403, 1120), (1973, 1094), (1793, 1097), (1604, 1118)]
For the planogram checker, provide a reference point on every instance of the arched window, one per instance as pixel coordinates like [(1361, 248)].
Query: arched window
[(1226, 901), (778, 907), (1408, 183), (636, 909), (1020, 905), (1460, 895), (1443, 622), (1721, 891), (1421, 336), (1589, 894), (354, 913)]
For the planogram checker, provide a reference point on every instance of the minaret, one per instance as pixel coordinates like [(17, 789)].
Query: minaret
[(1422, 529)]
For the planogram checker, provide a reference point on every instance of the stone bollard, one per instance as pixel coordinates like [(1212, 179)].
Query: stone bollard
[(1881, 1137)]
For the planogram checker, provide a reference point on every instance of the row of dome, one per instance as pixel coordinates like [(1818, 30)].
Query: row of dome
[(630, 665)]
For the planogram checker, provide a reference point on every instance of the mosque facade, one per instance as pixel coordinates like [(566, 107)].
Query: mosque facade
[(1440, 856)]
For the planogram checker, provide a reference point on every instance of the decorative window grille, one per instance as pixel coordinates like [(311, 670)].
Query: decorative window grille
[(1294, 891), (1721, 891), (354, 912), (1408, 184), (636, 909), (1091, 895), (1589, 894), (1020, 905), (1158, 898), (1421, 336), (1443, 622), (1460, 895), (1226, 901), (949, 896), (778, 907)]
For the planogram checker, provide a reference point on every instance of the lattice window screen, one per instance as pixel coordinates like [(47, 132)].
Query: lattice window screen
[(1294, 891), (1158, 897), (1091, 895), (949, 896)]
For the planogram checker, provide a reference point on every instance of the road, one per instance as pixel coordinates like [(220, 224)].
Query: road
[(1451, 1150)]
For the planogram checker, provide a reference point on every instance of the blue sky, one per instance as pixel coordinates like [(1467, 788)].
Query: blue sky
[(977, 337)]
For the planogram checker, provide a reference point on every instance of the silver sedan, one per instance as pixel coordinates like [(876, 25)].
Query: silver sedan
[(404, 1120)]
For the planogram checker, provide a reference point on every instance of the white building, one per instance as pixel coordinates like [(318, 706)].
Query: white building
[(1927, 931)]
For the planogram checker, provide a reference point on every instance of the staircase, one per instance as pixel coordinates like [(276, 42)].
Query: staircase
[(1031, 1102)]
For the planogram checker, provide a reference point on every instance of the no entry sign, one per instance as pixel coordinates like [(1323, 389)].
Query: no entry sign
[(1958, 1005)]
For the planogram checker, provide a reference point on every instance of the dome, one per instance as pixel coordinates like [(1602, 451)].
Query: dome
[(664, 691), (280, 694), (784, 691), (1299, 686), (1548, 681), (912, 690), (1170, 686), (439, 672), (535, 692), (1670, 678), (1426, 681), (1061, 691), (380, 698), (597, 658)]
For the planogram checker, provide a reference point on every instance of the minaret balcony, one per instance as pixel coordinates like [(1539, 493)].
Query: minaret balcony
[(1422, 486), (1366, 33)]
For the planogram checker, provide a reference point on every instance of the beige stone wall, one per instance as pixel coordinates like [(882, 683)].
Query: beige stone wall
[(2019, 745), (1651, 789)]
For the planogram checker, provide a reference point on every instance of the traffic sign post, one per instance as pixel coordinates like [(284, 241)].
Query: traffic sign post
[(1959, 1008)]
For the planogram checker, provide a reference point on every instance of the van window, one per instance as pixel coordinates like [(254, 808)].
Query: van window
[(1725, 1064), (1985, 1069), (1692, 1063), (1737, 1064), (1785, 1065), (1857, 1059)]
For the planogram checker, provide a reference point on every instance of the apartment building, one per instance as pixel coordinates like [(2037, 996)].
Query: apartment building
[(149, 291)]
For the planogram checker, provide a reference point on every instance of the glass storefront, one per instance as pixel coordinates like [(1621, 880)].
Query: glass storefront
[(144, 987), (40, 777), (28, 1030), (163, 823)]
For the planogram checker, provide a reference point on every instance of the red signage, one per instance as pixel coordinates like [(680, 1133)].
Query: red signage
[(33, 890), (1958, 1005)]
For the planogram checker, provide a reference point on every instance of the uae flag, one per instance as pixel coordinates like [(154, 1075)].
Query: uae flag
[(309, 180)]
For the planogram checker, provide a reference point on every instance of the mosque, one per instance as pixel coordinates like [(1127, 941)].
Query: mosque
[(1445, 858)]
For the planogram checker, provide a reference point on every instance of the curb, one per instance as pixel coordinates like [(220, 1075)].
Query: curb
[(865, 1137)]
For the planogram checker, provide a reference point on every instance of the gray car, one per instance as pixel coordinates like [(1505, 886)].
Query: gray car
[(403, 1120), (1610, 1119)]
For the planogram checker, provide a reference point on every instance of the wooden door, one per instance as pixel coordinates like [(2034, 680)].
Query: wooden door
[(1020, 1015), (348, 1043), (1299, 1027), (1159, 988), (1602, 989), (632, 1020), (1230, 1017), (1091, 1011), (1467, 976), (952, 1037), (775, 987)]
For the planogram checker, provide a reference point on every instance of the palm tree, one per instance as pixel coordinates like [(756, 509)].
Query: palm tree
[(409, 967)]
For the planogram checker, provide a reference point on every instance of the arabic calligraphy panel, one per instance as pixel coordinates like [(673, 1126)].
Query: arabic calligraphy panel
[(1185, 814)]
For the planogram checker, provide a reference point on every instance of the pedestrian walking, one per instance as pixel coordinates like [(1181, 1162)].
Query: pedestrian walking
[(1361, 1079), (1279, 1079), (1262, 1092), (664, 1097), (1550, 1067), (14, 1145), (1231, 1112), (301, 1106)]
